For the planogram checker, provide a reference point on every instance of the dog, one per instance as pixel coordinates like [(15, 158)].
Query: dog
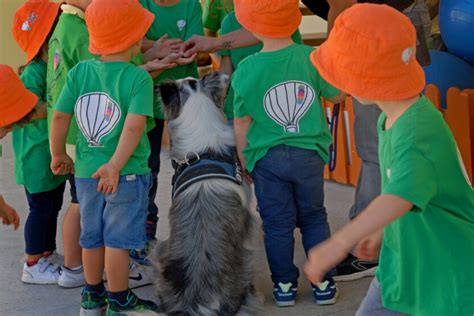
[(206, 265)]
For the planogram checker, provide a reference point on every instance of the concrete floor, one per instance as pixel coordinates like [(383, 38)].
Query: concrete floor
[(17, 298)]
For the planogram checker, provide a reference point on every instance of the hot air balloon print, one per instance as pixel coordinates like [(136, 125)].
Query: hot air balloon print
[(286, 103), (96, 114)]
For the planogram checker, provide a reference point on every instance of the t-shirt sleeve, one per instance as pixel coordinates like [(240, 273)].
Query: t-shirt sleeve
[(195, 26), (141, 102), (239, 104), (211, 15), (34, 82), (67, 99), (411, 177), (327, 91), (225, 28)]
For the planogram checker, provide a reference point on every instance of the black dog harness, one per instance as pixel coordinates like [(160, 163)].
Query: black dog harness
[(198, 167)]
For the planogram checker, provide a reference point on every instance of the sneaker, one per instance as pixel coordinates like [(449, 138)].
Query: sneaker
[(141, 256), (55, 258), (139, 275), (93, 303), (285, 294), (71, 278), (325, 293), (134, 304), (353, 269), (44, 272)]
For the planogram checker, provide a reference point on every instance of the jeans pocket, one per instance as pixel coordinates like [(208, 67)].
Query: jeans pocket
[(127, 192)]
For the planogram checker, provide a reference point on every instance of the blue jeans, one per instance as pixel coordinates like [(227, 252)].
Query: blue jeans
[(41, 224), (289, 185), (154, 137), (116, 220)]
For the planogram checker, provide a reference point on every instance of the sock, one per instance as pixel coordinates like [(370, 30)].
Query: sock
[(47, 254), (120, 297), (31, 263), (150, 226), (76, 269), (98, 288)]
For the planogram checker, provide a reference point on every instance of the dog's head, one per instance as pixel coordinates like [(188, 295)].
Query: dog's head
[(176, 94)]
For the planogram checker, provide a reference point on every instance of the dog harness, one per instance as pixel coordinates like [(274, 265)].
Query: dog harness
[(198, 167)]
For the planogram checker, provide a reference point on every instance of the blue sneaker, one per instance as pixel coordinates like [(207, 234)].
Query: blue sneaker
[(141, 256), (285, 294), (325, 293)]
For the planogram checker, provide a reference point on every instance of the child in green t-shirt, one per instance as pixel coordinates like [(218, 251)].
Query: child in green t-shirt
[(421, 227), (282, 139), (33, 23), (232, 58), (111, 100), (177, 21)]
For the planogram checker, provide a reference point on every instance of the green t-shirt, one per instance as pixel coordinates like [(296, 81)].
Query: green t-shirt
[(69, 44), (427, 257), (281, 91), (182, 20), (30, 143), (101, 95), (214, 13), (230, 24)]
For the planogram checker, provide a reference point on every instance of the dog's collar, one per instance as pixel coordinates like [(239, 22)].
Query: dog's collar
[(195, 167)]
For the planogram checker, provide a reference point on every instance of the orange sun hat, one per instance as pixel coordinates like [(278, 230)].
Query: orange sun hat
[(32, 23), (269, 18), (370, 53), (115, 25), (15, 100)]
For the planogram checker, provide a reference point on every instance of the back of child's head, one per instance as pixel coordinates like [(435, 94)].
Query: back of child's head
[(371, 54), (116, 25), (32, 24), (16, 102), (269, 18)]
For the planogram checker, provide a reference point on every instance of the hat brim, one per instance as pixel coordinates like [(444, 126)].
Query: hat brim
[(398, 87), (22, 108)]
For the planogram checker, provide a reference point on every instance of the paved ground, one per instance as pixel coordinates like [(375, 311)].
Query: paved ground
[(17, 298)]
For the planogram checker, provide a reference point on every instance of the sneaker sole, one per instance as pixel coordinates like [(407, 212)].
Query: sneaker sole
[(93, 312), (39, 282), (328, 302), (356, 276), (67, 285), (285, 304)]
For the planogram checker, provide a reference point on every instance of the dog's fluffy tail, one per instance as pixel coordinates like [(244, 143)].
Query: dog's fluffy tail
[(252, 305)]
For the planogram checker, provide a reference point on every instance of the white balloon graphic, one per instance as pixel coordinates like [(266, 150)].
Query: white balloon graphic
[(286, 103), (96, 114)]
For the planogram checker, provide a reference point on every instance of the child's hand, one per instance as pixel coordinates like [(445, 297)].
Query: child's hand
[(157, 66), (165, 46), (185, 61), (245, 173), (62, 165), (8, 215), (369, 248), (323, 258), (108, 177)]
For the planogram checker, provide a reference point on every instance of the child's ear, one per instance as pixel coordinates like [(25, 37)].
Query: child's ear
[(215, 85), (168, 91)]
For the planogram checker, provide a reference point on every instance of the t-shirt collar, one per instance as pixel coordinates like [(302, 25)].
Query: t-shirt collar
[(69, 9)]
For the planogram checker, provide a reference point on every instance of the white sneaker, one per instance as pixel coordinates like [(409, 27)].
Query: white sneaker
[(71, 278), (139, 275), (44, 272), (56, 258)]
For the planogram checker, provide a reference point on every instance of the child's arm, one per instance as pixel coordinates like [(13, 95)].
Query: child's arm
[(161, 48), (109, 173), (241, 127), (226, 65), (61, 163), (383, 210), (8, 214)]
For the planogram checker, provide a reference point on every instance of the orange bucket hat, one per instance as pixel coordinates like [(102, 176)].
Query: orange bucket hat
[(115, 25), (370, 53), (32, 23), (269, 18), (15, 100)]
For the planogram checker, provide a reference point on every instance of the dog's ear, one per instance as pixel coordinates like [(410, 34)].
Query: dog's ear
[(168, 91), (215, 85)]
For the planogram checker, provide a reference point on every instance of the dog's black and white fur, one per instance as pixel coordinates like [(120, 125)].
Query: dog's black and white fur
[(206, 266)]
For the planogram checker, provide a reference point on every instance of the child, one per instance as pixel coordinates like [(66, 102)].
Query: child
[(178, 20), (214, 13), (111, 100), (33, 23), (426, 208), (282, 138), (232, 58), (17, 106)]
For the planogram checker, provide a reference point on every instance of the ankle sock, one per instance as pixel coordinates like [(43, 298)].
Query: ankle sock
[(120, 297), (76, 269), (98, 288), (31, 263)]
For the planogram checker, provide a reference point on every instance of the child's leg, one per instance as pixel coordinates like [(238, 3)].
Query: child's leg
[(93, 260), (116, 265), (278, 211), (56, 197), (72, 231), (372, 303)]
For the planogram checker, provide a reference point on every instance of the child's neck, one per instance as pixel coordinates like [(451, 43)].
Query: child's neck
[(394, 109), (122, 56), (166, 3), (272, 44), (78, 4)]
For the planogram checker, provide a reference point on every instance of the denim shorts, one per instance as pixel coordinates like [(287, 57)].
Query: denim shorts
[(116, 220)]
